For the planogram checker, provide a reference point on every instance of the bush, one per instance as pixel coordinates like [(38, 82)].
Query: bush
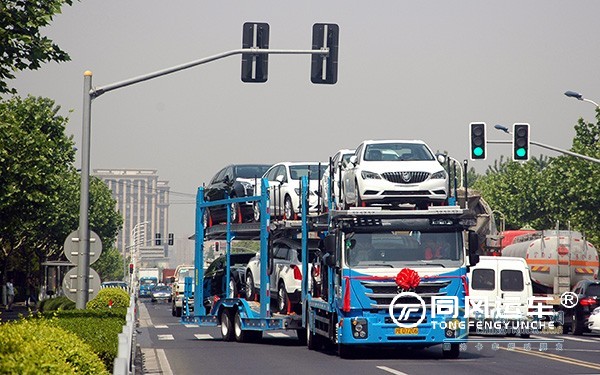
[(52, 304), (106, 297), (33, 346)]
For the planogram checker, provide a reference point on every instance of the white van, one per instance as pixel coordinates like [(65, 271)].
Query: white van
[(505, 283), (177, 289)]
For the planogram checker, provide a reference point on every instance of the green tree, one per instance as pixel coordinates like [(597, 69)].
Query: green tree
[(23, 45), (110, 265)]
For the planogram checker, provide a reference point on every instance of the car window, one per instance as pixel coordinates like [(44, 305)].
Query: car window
[(511, 281), (298, 171), (593, 290), (218, 177), (250, 171), (281, 252), (270, 175), (483, 279)]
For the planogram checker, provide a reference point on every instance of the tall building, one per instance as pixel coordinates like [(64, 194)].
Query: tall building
[(143, 200)]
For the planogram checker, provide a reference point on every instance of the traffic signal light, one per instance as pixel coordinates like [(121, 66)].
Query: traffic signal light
[(478, 142), (255, 66), (130, 268), (521, 142), (157, 239), (324, 70), (171, 239)]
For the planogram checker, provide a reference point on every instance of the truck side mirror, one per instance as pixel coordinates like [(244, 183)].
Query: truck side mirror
[(473, 247), (329, 257)]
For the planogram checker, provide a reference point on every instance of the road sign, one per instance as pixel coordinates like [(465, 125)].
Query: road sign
[(71, 247), (70, 283)]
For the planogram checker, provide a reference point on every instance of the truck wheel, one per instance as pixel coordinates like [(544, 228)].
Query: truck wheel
[(453, 353), (244, 335), (226, 325), (283, 301), (301, 334), (313, 341)]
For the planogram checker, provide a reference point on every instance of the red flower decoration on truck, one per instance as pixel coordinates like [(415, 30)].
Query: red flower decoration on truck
[(407, 279)]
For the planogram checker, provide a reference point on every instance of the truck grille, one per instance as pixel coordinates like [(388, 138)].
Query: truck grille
[(405, 177), (382, 292)]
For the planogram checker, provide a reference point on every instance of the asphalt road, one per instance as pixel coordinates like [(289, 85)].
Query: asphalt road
[(170, 347)]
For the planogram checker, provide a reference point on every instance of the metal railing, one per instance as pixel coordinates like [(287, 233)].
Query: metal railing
[(124, 363)]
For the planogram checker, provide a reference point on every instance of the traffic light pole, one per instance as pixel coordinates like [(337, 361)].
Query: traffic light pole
[(566, 152), (90, 93)]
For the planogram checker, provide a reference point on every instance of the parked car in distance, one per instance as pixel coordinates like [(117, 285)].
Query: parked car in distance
[(394, 172), (161, 293), (284, 188), (588, 292), (285, 281), (594, 321), (235, 181), (215, 277), (339, 161)]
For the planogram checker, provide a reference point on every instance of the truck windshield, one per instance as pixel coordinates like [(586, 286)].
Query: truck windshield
[(403, 248)]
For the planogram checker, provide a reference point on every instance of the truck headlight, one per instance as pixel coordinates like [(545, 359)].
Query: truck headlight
[(360, 328)]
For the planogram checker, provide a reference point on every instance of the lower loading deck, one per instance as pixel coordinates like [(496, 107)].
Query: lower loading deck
[(249, 314)]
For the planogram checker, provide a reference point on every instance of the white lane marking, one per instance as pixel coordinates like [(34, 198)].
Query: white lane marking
[(204, 336), (144, 317), (191, 325), (576, 339), (391, 370), (277, 334), (161, 326), (165, 337), (164, 362)]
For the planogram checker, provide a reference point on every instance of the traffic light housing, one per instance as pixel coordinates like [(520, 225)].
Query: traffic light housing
[(477, 140), (131, 268), (157, 239), (255, 66), (324, 70), (171, 239), (521, 142)]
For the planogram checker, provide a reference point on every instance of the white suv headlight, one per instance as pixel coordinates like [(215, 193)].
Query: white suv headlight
[(297, 191), (366, 175), (438, 175), (596, 311)]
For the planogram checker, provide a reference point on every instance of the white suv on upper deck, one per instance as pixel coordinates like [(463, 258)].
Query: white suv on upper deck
[(394, 172)]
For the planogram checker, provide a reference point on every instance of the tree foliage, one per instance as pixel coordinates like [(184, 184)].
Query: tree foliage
[(544, 191), (23, 45)]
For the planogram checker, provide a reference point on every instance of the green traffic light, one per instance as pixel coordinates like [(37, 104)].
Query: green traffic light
[(521, 152), (478, 151)]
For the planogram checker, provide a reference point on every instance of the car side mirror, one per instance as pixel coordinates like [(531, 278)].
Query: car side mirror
[(279, 179), (227, 180), (473, 247), (353, 159)]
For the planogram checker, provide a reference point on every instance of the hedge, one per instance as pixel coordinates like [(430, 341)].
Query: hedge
[(62, 303), (109, 298), (33, 346)]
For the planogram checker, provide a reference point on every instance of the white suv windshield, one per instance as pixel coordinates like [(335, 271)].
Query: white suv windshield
[(397, 152), (401, 248)]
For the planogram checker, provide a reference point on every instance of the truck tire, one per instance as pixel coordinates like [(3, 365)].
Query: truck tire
[(577, 326), (453, 353), (244, 335), (226, 325)]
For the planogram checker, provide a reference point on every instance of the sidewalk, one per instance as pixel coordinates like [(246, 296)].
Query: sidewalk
[(18, 310)]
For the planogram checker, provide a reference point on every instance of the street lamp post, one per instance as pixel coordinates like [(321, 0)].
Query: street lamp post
[(578, 96)]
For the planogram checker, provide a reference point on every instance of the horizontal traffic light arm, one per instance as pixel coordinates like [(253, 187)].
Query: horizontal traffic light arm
[(96, 92), (566, 152)]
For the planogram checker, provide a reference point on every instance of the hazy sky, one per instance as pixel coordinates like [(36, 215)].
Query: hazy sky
[(407, 70)]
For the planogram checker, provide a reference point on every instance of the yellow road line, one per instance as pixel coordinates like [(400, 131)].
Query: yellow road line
[(555, 357)]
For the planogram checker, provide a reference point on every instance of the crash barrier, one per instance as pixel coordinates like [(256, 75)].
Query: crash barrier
[(123, 364)]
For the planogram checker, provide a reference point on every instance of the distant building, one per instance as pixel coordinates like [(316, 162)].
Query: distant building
[(141, 198)]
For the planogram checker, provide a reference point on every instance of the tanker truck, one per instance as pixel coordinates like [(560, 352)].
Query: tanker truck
[(558, 259)]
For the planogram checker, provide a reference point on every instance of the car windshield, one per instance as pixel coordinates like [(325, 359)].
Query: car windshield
[(147, 281), (297, 171), (185, 272), (397, 152), (593, 290), (251, 171), (403, 248)]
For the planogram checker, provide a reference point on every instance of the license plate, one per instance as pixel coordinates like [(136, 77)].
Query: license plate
[(407, 331)]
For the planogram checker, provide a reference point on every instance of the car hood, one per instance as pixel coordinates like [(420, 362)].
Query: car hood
[(430, 166)]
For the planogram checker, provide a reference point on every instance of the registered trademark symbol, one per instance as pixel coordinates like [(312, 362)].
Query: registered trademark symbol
[(569, 300)]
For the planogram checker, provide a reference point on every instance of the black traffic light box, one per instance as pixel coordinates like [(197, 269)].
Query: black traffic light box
[(521, 142), (171, 239), (157, 239), (255, 66), (477, 140), (323, 69)]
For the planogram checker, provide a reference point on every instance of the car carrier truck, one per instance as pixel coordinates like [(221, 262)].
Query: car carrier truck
[(376, 266)]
